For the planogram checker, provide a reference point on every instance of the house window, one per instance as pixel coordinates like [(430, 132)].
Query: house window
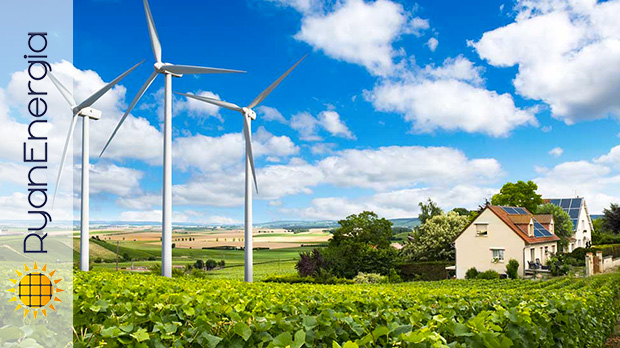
[(498, 255), (482, 229)]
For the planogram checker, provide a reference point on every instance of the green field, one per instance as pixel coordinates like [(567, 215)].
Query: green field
[(135, 310)]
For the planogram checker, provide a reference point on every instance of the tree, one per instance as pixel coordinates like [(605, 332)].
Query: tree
[(432, 241), (310, 263), (563, 226), (611, 218), (365, 228), (360, 244), (462, 211), (428, 210), (521, 194), (199, 264)]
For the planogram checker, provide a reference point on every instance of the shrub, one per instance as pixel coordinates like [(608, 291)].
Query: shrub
[(210, 264), (199, 264), (490, 274), (556, 267), (512, 269), (472, 273), (430, 270), (222, 263), (369, 278), (309, 263)]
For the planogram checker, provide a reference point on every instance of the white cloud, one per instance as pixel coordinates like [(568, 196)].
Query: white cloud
[(198, 108), (612, 158), (403, 166), (113, 179), (418, 25), (360, 32), (217, 153), (556, 152), (597, 183), (308, 126), (268, 113), (448, 97), (568, 55), (331, 122), (151, 216), (399, 203), (432, 44)]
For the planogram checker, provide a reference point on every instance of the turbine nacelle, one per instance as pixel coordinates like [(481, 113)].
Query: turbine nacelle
[(160, 67), (249, 113), (89, 112)]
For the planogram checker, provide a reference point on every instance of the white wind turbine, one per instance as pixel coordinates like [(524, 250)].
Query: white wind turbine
[(86, 112), (248, 116), (168, 70)]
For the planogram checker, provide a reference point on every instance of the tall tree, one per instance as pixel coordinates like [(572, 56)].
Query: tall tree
[(428, 210), (611, 219), (433, 240), (563, 226), (366, 228), (519, 194)]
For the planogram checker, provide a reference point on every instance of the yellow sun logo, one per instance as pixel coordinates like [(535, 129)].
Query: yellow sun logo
[(34, 290)]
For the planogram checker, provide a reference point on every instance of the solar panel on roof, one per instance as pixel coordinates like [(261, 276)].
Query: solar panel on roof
[(520, 211), (576, 203), (565, 203), (574, 223), (574, 213), (540, 230), (555, 201)]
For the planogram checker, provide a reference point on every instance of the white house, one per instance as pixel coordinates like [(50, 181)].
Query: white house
[(582, 223), (501, 233)]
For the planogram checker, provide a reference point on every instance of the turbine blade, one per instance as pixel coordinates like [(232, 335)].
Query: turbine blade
[(64, 157), (189, 69), (131, 106), (248, 147), (155, 44), (63, 90), (93, 98), (217, 102), (275, 84)]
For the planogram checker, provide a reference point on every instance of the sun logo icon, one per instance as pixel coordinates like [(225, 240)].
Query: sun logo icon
[(35, 290)]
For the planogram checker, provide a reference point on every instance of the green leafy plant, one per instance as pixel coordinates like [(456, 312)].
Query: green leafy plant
[(512, 269), (472, 273)]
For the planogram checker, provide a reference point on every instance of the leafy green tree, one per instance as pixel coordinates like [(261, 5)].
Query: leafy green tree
[(611, 218), (364, 228), (433, 240), (462, 211), (428, 210), (562, 223), (210, 264), (360, 244), (519, 194)]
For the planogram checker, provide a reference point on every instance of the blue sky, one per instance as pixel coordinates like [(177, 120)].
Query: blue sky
[(397, 101)]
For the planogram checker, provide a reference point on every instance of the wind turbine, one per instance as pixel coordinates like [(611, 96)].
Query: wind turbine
[(168, 70), (248, 116), (86, 112)]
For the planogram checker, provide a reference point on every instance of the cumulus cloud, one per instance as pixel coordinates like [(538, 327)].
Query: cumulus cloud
[(268, 113), (567, 53), (597, 180), (198, 108), (109, 178), (401, 166), (361, 32), (556, 152), (398, 203), (432, 44), (308, 126), (450, 97)]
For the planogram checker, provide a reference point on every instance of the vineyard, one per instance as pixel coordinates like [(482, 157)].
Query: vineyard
[(118, 310)]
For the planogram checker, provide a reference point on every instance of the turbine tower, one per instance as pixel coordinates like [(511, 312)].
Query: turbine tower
[(168, 70), (87, 113), (248, 116)]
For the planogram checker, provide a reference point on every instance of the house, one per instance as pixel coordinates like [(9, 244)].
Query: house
[(502, 233), (582, 223)]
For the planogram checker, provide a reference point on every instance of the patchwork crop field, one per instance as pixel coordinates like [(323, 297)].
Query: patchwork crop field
[(137, 310)]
